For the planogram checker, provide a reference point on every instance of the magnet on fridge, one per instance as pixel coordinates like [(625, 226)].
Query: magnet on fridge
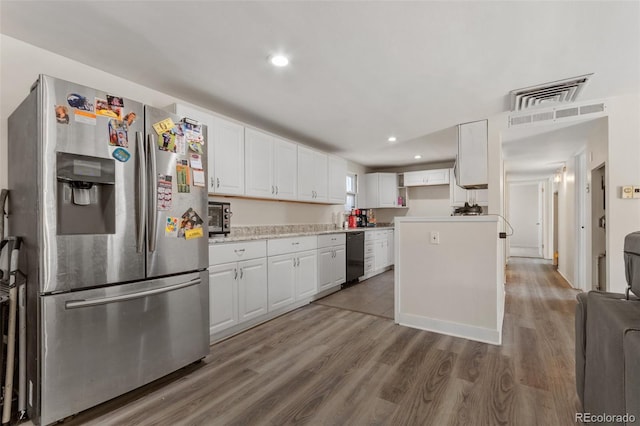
[(171, 227), (79, 102), (130, 118), (121, 154), (196, 161), (196, 147), (167, 142), (190, 222), (163, 126), (190, 234), (118, 133), (183, 176), (62, 114), (115, 101), (103, 108), (165, 192)]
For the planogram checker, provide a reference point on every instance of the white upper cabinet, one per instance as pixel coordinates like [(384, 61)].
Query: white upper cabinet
[(228, 157), (259, 164), (270, 166), (426, 177), (337, 176), (312, 175), (381, 190), (472, 168), (285, 170)]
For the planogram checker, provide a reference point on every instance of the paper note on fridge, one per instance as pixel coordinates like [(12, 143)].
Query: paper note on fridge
[(196, 161), (163, 126), (190, 234), (198, 178)]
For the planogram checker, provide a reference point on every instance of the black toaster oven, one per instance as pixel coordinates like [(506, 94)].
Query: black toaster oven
[(219, 218)]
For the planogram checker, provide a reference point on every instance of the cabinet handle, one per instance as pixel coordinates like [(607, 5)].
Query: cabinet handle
[(213, 184), (218, 182), (241, 273), (239, 251), (298, 261), (273, 191), (276, 189), (235, 276), (295, 244)]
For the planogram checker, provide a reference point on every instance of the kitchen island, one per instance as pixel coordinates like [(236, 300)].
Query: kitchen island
[(449, 276)]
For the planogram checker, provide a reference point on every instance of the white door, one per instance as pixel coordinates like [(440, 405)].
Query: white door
[(252, 289), (339, 265), (223, 296), (325, 268), (259, 164), (306, 274), (228, 151), (285, 169), (281, 282), (525, 218)]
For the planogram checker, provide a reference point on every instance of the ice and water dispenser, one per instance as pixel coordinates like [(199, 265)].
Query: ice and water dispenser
[(85, 195)]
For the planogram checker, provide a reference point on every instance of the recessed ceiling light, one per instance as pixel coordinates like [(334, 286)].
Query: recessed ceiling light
[(279, 60), (392, 139), (417, 157)]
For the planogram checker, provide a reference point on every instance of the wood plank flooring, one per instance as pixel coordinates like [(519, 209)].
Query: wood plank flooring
[(373, 296), (322, 365)]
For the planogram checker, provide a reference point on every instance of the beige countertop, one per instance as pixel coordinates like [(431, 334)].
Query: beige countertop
[(230, 239)]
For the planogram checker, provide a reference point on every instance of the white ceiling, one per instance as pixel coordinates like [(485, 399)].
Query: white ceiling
[(360, 71)]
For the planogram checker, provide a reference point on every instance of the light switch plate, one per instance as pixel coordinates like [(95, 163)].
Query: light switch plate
[(636, 192), (435, 237)]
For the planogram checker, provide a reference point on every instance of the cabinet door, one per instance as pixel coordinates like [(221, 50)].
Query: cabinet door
[(472, 153), (321, 173), (380, 255), (306, 274), (228, 151), (482, 197), (437, 177), (281, 281), (390, 254), (414, 178), (258, 163), (339, 265), (223, 296), (388, 190), (337, 179), (252, 289), (306, 174), (285, 169), (325, 268), (372, 190)]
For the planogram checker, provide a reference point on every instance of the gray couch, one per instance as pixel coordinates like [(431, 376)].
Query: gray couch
[(608, 344)]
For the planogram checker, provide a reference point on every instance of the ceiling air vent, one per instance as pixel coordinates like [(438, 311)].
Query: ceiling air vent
[(548, 94), (590, 109), (523, 119), (543, 116), (569, 112)]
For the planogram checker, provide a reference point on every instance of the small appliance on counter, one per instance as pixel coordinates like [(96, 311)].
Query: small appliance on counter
[(219, 218), (468, 210), (363, 218)]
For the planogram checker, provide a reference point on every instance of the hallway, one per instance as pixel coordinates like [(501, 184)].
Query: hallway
[(324, 365)]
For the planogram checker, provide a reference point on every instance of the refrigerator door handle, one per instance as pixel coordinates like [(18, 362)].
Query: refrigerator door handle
[(74, 304), (142, 190), (153, 210)]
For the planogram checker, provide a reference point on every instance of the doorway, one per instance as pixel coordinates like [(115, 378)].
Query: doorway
[(598, 230), (525, 216)]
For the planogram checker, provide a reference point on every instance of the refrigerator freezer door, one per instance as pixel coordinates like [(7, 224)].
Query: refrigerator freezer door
[(170, 166), (98, 344), (76, 252)]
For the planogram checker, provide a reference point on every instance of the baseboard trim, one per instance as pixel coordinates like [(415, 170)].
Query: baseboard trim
[(479, 334)]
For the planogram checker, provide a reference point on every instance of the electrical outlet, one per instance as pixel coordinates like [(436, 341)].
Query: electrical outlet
[(636, 192), (435, 237), (627, 192)]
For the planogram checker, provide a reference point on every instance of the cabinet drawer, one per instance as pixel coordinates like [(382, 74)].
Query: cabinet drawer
[(291, 245), (369, 249), (368, 265), (235, 252), (331, 240)]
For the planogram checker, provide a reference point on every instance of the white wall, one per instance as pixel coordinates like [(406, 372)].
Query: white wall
[(567, 223), (20, 65), (454, 287), (424, 201)]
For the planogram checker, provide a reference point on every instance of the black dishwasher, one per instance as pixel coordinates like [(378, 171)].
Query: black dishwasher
[(355, 255)]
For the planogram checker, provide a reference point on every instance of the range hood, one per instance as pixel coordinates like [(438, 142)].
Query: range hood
[(471, 169)]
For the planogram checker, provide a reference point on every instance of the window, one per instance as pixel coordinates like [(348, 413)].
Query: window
[(352, 191)]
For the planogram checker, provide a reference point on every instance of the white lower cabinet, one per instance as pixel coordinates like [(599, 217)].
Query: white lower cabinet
[(237, 287), (332, 261), (293, 266), (378, 252), (223, 297)]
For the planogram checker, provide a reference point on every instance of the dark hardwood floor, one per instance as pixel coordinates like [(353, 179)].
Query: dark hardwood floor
[(373, 296), (324, 365)]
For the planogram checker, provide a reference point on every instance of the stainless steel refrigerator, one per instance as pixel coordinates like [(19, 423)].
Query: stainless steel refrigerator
[(109, 196)]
